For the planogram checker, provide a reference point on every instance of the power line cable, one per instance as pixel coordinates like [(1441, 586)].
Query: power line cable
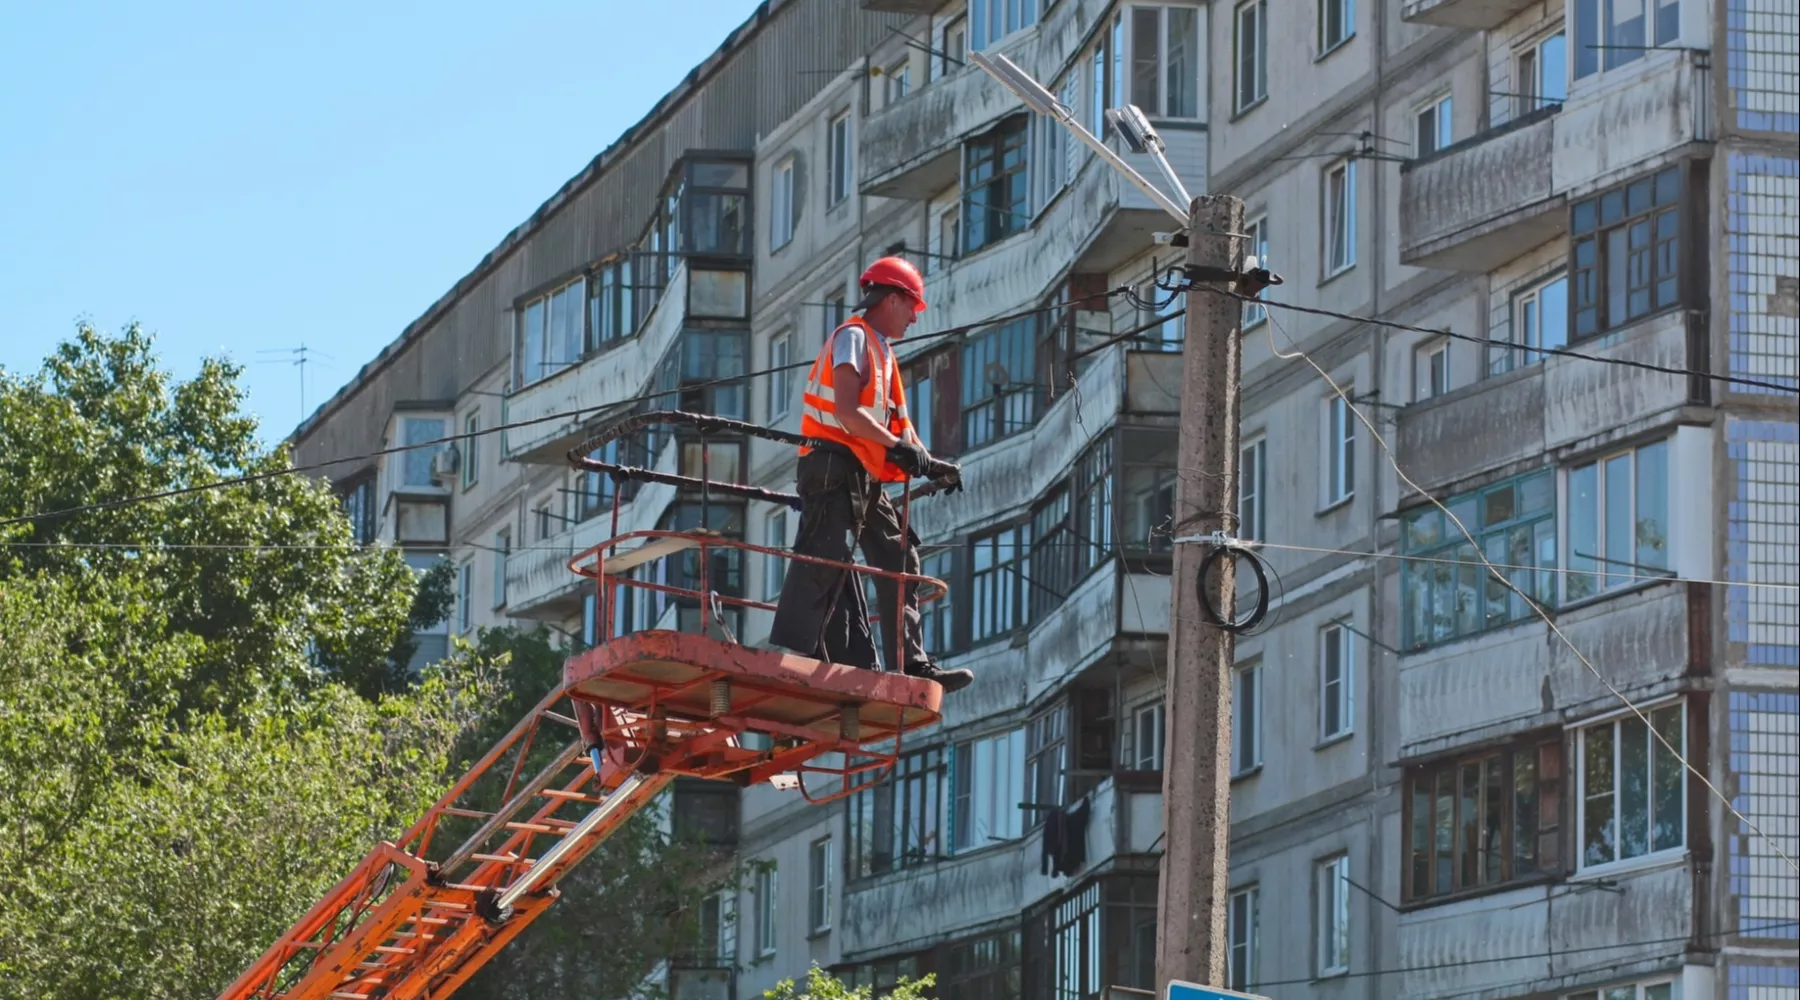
[(1559, 570), (1394, 461), (497, 428), (1491, 342)]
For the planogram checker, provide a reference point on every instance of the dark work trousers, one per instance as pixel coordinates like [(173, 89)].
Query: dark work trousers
[(821, 612)]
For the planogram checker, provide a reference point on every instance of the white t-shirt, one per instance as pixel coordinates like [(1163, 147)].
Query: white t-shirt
[(849, 346)]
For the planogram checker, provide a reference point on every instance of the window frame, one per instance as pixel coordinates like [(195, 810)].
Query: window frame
[(937, 619), (1253, 500), (917, 782), (1427, 383), (1546, 753), (502, 549), (1442, 110), (1256, 313), (996, 609), (1331, 916), (465, 595), (1334, 212), (1503, 359), (1602, 574), (575, 285), (993, 793), (1640, 990), (1529, 58), (764, 891), (470, 471), (781, 378), (818, 885), (1344, 701), (840, 156), (775, 532), (784, 193), (1241, 102), (1471, 507), (1590, 285), (1606, 52), (1151, 715), (1243, 913), (1047, 757), (1158, 110), (999, 221), (896, 81), (1616, 723), (985, 17), (1247, 753), (1340, 444), (1346, 11)]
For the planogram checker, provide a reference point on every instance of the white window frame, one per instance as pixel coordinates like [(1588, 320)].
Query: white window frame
[(1331, 919), (995, 13), (1153, 717), (1653, 748), (1505, 359), (1431, 369), (1639, 991), (1243, 100), (1253, 488), (763, 891), (1255, 313), (898, 81), (1626, 52), (502, 549), (1339, 691), (840, 157), (471, 450), (1246, 727), (775, 532), (781, 378), (1340, 213), (784, 207), (1340, 449), (953, 46), (1161, 109), (1347, 11), (419, 457), (993, 768), (949, 236), (465, 595), (1612, 577), (1442, 127), (1243, 920), (1528, 61), (819, 888)]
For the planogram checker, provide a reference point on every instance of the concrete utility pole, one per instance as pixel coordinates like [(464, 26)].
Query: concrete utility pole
[(1191, 940)]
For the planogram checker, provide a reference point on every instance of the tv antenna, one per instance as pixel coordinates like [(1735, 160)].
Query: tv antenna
[(299, 357)]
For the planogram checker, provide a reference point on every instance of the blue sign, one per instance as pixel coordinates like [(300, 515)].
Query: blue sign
[(1179, 990)]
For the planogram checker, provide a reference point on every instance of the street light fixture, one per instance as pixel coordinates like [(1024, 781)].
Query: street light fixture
[(1132, 126)]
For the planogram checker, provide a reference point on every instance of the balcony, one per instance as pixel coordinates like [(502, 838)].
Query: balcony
[(997, 882), (621, 372), (1485, 200), (1477, 15), (538, 582), (911, 149)]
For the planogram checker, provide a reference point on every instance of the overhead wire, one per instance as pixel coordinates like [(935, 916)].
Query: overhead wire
[(1558, 570), (577, 414), (1393, 460)]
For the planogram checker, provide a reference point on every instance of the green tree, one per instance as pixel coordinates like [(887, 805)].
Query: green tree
[(822, 985)]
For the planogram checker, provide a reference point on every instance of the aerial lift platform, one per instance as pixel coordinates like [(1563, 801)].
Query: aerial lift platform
[(414, 920)]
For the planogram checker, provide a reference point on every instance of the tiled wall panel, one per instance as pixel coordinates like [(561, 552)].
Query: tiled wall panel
[(1763, 541), (1762, 47), (1763, 263), (1765, 742)]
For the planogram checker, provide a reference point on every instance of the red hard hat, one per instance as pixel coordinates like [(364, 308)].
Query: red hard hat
[(896, 273)]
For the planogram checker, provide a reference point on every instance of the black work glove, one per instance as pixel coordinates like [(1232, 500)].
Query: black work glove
[(948, 473), (911, 458)]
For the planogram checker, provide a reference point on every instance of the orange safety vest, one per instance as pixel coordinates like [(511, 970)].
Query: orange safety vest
[(883, 395)]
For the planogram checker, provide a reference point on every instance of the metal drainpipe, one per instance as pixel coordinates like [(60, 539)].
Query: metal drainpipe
[(1375, 907)]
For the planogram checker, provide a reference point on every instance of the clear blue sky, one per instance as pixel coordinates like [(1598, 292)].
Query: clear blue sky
[(250, 177)]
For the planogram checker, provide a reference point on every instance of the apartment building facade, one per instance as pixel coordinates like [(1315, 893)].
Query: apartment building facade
[(1441, 799)]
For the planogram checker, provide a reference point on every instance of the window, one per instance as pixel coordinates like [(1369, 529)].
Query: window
[(415, 464), (714, 209), (1617, 32), (899, 80), (1107, 73), (692, 375), (1337, 695), (1165, 61), (1664, 990), (1446, 592), (1432, 127), (996, 591), (502, 549), (465, 596), (992, 20), (1340, 448), (775, 535), (996, 201), (764, 893), (1171, 308), (1147, 738), (781, 377), (359, 508), (955, 45), (937, 618), (784, 204), (898, 822), (1147, 486), (818, 886), (471, 448), (552, 333), (1540, 319), (1618, 521), (1334, 916), (999, 393), (836, 311), (1340, 217), (718, 930), (987, 786), (839, 159), (1632, 797), (1624, 254), (1337, 23), (1046, 761), (1258, 246), (1076, 947), (1431, 370), (1542, 78), (1252, 54), (1049, 574), (984, 968), (1246, 719), (1242, 917), (1051, 154), (1094, 504), (590, 620), (949, 236), (544, 515), (1483, 821), (1252, 490)]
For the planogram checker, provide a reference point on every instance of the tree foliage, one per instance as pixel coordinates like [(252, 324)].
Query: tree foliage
[(822, 985)]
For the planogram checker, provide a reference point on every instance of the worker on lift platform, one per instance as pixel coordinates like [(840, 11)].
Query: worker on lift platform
[(855, 405)]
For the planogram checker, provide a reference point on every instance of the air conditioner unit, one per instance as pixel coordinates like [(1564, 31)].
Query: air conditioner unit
[(444, 463)]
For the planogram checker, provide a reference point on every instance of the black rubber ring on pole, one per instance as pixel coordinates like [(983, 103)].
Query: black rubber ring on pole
[(1262, 602)]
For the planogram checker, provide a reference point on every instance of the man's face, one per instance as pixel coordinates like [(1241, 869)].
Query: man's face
[(893, 315)]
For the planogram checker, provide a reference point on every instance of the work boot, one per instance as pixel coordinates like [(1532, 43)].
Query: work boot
[(951, 680)]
